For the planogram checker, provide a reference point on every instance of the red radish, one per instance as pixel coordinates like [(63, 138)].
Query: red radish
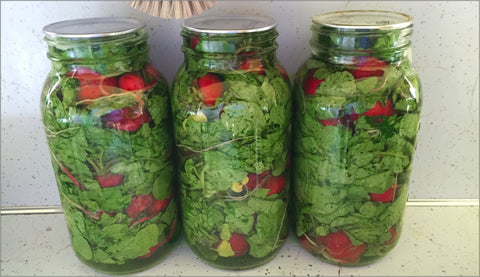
[(110, 82), (282, 71), (131, 81), (305, 243), (255, 179), (310, 84), (80, 186), (368, 67), (211, 87), (144, 207), (394, 235), (90, 83), (252, 65), (275, 184), (109, 180), (127, 119), (84, 74), (194, 42), (239, 244), (387, 196), (111, 214), (151, 71), (378, 109), (330, 122), (89, 91), (339, 247)]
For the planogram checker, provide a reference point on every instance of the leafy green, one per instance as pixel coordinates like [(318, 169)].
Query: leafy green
[(83, 147), (338, 167), (222, 147)]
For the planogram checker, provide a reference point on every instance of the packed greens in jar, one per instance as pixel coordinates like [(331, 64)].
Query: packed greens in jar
[(357, 115), (105, 113), (231, 108)]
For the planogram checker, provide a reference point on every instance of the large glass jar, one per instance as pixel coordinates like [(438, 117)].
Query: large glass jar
[(231, 107), (357, 116), (106, 118)]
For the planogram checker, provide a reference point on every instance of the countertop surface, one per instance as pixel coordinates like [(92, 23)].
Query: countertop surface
[(438, 239)]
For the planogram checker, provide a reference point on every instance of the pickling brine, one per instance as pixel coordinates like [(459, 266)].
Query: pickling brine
[(105, 112), (231, 106), (358, 102)]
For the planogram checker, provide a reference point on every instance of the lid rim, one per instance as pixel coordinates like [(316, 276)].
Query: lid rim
[(268, 24), (407, 22), (54, 30)]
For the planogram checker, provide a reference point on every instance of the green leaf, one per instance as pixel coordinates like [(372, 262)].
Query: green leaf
[(145, 239), (368, 84), (115, 231), (337, 84), (409, 125), (81, 246)]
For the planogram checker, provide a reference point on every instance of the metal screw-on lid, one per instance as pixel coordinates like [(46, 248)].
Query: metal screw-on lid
[(364, 19), (229, 24), (92, 27)]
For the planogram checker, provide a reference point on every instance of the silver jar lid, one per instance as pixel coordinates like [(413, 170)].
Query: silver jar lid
[(92, 27), (364, 19), (230, 24)]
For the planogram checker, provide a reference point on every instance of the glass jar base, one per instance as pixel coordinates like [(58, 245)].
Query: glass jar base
[(362, 261), (136, 265), (238, 263)]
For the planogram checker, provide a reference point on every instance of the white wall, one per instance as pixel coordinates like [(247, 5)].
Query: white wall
[(445, 53)]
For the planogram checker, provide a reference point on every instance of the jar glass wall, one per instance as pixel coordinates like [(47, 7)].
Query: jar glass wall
[(105, 111), (357, 116), (231, 108)]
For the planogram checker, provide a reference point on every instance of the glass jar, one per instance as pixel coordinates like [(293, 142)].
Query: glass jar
[(357, 116), (106, 117), (231, 107)]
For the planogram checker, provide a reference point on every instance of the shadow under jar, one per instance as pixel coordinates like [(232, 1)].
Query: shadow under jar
[(105, 112), (232, 107), (357, 116)]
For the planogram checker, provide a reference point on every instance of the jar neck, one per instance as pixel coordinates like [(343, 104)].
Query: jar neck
[(340, 46), (110, 54), (229, 46)]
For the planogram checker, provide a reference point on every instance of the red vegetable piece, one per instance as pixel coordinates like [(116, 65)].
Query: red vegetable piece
[(275, 184), (111, 214), (378, 109), (282, 71), (92, 83), (144, 207), (84, 74), (194, 42), (109, 84), (253, 65), (89, 91), (330, 122), (368, 67), (127, 119), (109, 180), (131, 81), (339, 247), (305, 243), (239, 244), (211, 87), (255, 179), (80, 186), (394, 235), (310, 84), (387, 196)]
